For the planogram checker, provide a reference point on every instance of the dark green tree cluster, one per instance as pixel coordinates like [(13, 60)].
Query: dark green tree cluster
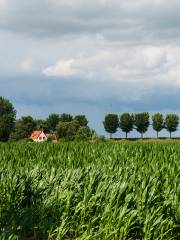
[(7, 119), (76, 128), (23, 128), (140, 122), (65, 126)]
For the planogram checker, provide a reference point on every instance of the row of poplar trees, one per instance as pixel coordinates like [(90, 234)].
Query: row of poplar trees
[(140, 122)]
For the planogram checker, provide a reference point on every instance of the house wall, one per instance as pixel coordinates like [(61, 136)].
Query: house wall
[(42, 137)]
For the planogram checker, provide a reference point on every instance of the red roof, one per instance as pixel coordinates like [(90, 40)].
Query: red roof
[(35, 135)]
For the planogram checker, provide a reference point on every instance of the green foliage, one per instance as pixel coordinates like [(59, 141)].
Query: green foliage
[(67, 130), (83, 133), (171, 123), (42, 125), (111, 123), (7, 119), (126, 123), (157, 122), (89, 190), (141, 122), (61, 130), (23, 128), (65, 117), (82, 120), (52, 121), (73, 127)]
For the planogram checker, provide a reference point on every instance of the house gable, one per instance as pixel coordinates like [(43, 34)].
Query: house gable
[(38, 136)]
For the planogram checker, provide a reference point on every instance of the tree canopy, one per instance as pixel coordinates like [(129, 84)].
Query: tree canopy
[(141, 122), (52, 121), (65, 117), (84, 133), (7, 119), (157, 122), (24, 127), (126, 123), (82, 120), (171, 123), (111, 123), (67, 130)]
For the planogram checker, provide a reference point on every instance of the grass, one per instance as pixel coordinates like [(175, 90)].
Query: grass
[(110, 190)]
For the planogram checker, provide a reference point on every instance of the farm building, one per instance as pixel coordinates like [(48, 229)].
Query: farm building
[(38, 136)]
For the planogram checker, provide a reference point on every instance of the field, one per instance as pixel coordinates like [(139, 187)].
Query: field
[(89, 191)]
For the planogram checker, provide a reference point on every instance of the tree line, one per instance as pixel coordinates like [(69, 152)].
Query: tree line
[(140, 122), (64, 126), (68, 127)]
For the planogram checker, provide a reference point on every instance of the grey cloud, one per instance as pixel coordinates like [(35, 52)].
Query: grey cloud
[(126, 20)]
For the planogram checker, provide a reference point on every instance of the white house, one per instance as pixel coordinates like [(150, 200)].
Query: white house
[(38, 136)]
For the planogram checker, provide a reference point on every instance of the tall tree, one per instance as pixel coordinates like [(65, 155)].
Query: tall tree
[(171, 123), (111, 123), (7, 118), (24, 127), (141, 122), (52, 121), (61, 130), (157, 122), (42, 125), (83, 122), (65, 117), (126, 123), (73, 127)]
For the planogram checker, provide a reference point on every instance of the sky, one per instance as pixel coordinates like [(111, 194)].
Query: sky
[(90, 57)]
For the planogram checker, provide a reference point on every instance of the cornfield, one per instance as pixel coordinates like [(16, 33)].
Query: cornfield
[(89, 191)]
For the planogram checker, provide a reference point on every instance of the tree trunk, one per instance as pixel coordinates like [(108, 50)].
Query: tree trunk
[(110, 135), (141, 135), (157, 134), (126, 135), (170, 134)]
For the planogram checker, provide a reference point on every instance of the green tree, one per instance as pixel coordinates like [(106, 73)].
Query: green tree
[(7, 119), (73, 127), (84, 133), (65, 117), (82, 120), (67, 130), (171, 123), (141, 122), (24, 127), (61, 130), (111, 123), (126, 123), (52, 121), (157, 122), (42, 125)]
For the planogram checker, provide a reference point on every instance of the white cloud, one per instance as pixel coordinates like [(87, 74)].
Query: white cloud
[(84, 66), (147, 66), (154, 56), (61, 68)]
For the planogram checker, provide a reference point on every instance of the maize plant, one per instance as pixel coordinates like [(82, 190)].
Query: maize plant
[(90, 191)]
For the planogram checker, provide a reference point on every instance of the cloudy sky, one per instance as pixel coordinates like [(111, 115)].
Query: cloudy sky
[(90, 57)]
